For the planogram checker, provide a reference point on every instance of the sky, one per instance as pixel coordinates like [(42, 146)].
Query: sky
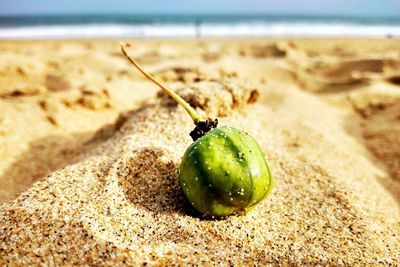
[(381, 8)]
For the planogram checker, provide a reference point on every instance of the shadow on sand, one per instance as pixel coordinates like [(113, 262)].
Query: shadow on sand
[(48, 154), (379, 132)]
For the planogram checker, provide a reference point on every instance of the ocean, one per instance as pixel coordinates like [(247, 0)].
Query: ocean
[(148, 26)]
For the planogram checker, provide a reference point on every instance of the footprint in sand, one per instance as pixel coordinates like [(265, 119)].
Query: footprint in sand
[(180, 74), (263, 51), (394, 80), (56, 83), (345, 75)]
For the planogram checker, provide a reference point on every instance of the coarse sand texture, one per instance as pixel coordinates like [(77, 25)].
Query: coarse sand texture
[(90, 152)]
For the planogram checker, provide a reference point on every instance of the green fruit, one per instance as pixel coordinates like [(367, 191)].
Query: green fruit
[(225, 172)]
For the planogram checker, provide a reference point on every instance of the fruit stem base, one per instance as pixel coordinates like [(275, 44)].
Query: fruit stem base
[(202, 128)]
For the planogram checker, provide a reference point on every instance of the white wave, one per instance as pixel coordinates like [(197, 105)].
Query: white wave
[(93, 30), (301, 29), (192, 30)]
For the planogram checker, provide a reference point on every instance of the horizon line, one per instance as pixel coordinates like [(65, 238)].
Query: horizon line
[(234, 14)]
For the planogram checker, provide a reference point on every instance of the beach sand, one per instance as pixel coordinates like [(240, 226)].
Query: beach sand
[(90, 150)]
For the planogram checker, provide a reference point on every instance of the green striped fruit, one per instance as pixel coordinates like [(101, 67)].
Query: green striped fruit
[(225, 172)]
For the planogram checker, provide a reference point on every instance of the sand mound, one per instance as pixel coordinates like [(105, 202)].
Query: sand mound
[(123, 203), (116, 198)]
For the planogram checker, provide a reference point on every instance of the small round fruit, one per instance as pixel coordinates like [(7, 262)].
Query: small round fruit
[(225, 172)]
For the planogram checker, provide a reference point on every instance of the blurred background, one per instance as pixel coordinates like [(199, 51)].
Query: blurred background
[(182, 18)]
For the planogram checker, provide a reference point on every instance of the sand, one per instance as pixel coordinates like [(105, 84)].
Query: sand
[(90, 151)]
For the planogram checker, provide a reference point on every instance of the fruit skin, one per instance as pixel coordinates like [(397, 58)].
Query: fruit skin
[(225, 172)]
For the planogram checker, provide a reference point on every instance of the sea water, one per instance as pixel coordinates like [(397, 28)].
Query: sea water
[(117, 26)]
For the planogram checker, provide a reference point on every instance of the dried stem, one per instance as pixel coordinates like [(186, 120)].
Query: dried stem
[(193, 114)]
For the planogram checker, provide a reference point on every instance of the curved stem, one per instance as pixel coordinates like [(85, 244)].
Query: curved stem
[(193, 114)]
